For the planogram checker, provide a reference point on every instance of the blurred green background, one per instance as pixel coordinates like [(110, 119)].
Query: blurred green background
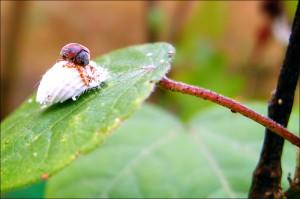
[(218, 44)]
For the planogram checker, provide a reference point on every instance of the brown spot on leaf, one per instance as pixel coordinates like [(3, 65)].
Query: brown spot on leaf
[(45, 176)]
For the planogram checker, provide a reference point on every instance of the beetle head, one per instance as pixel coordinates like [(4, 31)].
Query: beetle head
[(75, 53)]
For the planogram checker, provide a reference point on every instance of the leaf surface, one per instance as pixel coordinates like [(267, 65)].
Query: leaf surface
[(154, 155), (36, 143)]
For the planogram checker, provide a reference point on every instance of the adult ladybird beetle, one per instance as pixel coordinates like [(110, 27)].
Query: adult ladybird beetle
[(70, 77), (76, 54)]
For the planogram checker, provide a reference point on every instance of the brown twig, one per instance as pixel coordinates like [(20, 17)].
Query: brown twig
[(234, 106), (267, 175)]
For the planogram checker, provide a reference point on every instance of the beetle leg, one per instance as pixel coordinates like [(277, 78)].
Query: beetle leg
[(70, 65), (92, 69), (58, 60), (83, 77)]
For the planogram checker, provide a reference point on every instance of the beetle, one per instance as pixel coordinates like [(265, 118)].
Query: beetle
[(63, 81), (76, 54)]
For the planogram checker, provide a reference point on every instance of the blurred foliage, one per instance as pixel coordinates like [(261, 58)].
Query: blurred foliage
[(156, 20), (291, 8), (201, 28), (198, 60), (208, 20)]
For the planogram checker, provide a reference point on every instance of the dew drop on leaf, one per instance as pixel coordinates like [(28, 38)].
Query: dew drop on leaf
[(149, 54), (162, 61)]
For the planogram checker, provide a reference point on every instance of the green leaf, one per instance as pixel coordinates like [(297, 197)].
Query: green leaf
[(36, 143), (127, 164), (154, 155), (36, 190), (233, 143)]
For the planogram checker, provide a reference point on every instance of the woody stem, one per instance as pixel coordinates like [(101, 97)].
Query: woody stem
[(233, 105)]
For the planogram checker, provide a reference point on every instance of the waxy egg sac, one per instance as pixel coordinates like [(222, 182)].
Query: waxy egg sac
[(65, 80)]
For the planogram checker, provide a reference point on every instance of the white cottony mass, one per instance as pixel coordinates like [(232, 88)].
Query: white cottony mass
[(64, 81)]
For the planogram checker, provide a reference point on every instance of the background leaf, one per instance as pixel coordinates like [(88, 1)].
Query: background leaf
[(36, 190), (233, 143), (153, 155), (130, 164), (36, 143)]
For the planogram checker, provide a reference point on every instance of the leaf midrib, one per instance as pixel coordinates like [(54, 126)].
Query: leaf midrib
[(213, 164), (145, 152)]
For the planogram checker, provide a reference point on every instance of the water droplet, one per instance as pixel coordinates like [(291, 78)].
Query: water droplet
[(280, 101), (117, 120), (149, 54), (171, 53)]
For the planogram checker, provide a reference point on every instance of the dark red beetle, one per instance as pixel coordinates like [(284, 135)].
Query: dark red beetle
[(76, 54)]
